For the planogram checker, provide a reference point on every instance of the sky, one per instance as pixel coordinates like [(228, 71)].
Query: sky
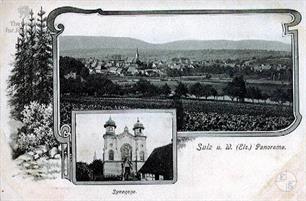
[(166, 28), (90, 130)]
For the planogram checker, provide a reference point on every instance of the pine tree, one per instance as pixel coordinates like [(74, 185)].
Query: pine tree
[(16, 85), (31, 76), (30, 61), (43, 82)]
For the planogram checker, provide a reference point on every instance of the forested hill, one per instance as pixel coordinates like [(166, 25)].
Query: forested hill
[(103, 42)]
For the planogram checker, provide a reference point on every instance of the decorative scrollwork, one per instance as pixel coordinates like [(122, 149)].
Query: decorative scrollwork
[(65, 130), (61, 10)]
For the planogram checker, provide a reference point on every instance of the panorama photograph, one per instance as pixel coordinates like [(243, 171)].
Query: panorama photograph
[(220, 72)]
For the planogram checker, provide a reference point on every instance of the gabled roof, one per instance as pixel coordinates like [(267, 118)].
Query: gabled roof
[(160, 161)]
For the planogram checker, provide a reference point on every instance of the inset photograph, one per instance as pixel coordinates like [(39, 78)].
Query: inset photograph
[(136, 146)]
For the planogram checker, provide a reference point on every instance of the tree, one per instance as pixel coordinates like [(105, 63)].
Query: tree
[(30, 85), (207, 91), (43, 67), (37, 127), (30, 61), (228, 90), (98, 85), (214, 92), (279, 95), (258, 94), (70, 64), (181, 90), (251, 93), (145, 88), (16, 82), (165, 89), (196, 89), (265, 96), (30, 78), (236, 89), (96, 168), (82, 172)]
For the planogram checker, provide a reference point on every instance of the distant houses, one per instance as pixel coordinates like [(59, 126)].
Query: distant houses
[(120, 65)]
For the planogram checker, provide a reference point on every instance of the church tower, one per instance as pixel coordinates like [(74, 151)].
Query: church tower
[(138, 128), (140, 141), (137, 56), (109, 140)]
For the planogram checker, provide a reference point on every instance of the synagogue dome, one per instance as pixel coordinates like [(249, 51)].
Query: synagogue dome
[(110, 122), (137, 125)]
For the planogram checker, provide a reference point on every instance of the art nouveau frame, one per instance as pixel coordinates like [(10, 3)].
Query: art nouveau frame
[(63, 133)]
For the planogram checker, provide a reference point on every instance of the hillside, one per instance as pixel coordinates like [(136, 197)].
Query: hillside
[(103, 42), (151, 54)]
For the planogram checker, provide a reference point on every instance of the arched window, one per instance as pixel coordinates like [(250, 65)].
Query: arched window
[(126, 152), (111, 155), (141, 154)]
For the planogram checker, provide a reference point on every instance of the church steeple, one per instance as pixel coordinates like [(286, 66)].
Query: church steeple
[(137, 55)]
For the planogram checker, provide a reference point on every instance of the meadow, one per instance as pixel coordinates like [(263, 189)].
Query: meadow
[(219, 82)]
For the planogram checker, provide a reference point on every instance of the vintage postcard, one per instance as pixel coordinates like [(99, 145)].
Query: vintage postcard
[(152, 100)]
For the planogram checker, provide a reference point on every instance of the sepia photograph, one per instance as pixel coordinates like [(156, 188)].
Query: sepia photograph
[(125, 146)]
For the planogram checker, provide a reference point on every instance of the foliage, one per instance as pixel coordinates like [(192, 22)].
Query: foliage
[(214, 92), (97, 167), (199, 90), (236, 88), (196, 89), (93, 172), (82, 172), (31, 78), (37, 127), (280, 95), (254, 93), (16, 86), (69, 64), (165, 90), (100, 85), (181, 90), (146, 88), (43, 64)]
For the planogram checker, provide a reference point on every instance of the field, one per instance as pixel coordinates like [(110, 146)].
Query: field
[(217, 81), (192, 114)]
